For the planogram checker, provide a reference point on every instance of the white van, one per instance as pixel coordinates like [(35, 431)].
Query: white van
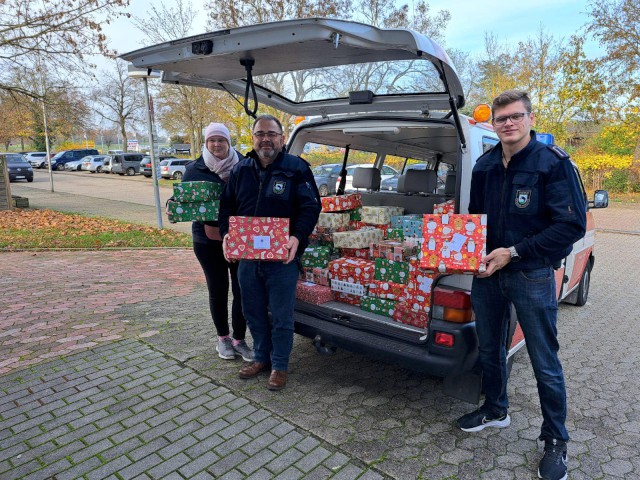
[(393, 94)]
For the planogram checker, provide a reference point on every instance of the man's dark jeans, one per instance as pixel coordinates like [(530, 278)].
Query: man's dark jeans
[(269, 287), (533, 294)]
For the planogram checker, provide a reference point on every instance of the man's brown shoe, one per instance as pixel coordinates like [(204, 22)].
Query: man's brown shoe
[(277, 380), (253, 369)]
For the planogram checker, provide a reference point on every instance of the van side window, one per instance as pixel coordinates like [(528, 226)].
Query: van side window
[(488, 143)]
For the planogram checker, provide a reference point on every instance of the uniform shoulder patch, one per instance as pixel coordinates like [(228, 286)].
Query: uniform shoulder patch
[(558, 151)]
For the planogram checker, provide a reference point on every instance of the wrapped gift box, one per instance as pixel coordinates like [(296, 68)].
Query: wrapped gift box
[(390, 271), (388, 290), (412, 227), (313, 293), (398, 220), (334, 221), (347, 298), (357, 239), (380, 215), (317, 275), (258, 238), (189, 192), (393, 250), (355, 215), (341, 203), (395, 234), (356, 225), (403, 313), (316, 257), (352, 270), (454, 243), (379, 306), (348, 287), (355, 252), (420, 279), (448, 207), (193, 212)]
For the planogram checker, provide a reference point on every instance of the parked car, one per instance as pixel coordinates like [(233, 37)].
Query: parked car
[(173, 168), (75, 165), (326, 177), (18, 166), (37, 159), (93, 163), (145, 164), (385, 173), (126, 163), (106, 164), (391, 184), (65, 156)]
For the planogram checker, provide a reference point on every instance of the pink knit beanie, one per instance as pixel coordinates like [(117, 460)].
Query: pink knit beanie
[(217, 129)]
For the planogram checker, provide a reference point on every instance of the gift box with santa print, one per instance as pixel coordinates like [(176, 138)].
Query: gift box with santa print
[(355, 252), (317, 256), (448, 207), (419, 287), (403, 313), (379, 306), (352, 270), (347, 298), (341, 203), (390, 271), (313, 293), (388, 290), (258, 238), (454, 243)]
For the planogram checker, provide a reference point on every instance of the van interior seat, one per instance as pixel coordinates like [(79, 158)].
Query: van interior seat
[(368, 178), (417, 181), (450, 184)]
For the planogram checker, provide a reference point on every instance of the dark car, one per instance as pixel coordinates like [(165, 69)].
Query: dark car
[(391, 184), (61, 158), (326, 177), (18, 166)]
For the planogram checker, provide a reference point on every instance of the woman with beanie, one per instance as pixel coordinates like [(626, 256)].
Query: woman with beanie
[(214, 165)]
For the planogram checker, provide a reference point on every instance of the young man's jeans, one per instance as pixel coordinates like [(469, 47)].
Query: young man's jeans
[(269, 287), (533, 294)]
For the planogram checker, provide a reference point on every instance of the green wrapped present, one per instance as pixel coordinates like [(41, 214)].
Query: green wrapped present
[(391, 271), (380, 306), (395, 234), (190, 192), (195, 211), (316, 257), (355, 215)]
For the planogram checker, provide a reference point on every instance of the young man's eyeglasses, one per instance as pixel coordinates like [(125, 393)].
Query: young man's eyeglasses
[(269, 135), (514, 117)]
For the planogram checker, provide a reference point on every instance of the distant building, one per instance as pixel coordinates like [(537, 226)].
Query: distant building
[(182, 148)]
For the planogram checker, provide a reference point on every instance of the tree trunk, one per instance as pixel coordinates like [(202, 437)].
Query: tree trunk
[(123, 132), (634, 170)]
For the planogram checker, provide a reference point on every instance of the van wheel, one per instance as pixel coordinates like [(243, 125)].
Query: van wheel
[(131, 171), (60, 167), (323, 190), (177, 176), (583, 286)]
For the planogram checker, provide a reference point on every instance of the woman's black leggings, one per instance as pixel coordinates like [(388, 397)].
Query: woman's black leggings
[(216, 271)]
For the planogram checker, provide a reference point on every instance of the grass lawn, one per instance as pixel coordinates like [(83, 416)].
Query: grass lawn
[(35, 229)]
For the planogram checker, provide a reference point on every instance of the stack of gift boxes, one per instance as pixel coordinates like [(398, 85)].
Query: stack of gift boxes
[(388, 261), (194, 201)]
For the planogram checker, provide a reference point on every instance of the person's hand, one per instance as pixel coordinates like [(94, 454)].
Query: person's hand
[(496, 260), (292, 246), (225, 249)]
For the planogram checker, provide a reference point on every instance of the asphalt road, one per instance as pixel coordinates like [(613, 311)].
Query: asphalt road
[(384, 419)]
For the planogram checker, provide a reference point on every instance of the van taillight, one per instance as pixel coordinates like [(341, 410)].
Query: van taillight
[(443, 339), (452, 305)]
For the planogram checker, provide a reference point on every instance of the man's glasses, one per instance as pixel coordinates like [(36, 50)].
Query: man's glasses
[(269, 135), (514, 117)]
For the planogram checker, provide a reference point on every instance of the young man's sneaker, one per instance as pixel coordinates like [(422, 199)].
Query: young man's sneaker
[(553, 465), (480, 419), (225, 348), (242, 349)]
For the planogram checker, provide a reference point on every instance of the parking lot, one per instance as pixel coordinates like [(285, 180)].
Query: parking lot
[(76, 312)]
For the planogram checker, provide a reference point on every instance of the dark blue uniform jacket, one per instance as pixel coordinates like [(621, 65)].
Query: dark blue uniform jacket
[(535, 204), (197, 171), (284, 189)]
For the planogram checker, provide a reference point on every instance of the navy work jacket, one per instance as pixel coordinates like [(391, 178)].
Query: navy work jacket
[(285, 189), (536, 204)]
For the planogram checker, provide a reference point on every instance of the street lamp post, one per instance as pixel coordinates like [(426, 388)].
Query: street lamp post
[(145, 73)]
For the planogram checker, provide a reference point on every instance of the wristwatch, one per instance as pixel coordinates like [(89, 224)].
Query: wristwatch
[(514, 254)]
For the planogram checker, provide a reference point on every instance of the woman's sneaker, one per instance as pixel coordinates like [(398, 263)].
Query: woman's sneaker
[(242, 349), (481, 419), (225, 348), (553, 465)]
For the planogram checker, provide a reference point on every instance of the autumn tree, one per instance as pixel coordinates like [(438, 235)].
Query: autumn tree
[(119, 99)]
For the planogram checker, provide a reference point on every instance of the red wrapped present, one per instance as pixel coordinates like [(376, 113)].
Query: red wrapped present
[(403, 313), (313, 293), (347, 298), (448, 207), (355, 252), (454, 243), (258, 238), (352, 270), (393, 250), (341, 203), (388, 290)]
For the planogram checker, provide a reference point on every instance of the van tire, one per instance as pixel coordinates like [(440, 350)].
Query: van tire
[(131, 171), (583, 286), (60, 167)]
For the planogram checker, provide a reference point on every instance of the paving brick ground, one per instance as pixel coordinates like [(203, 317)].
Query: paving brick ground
[(95, 346)]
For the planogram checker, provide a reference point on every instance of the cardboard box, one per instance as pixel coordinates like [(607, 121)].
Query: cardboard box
[(341, 203), (454, 243), (403, 313), (379, 306), (258, 238), (193, 212), (316, 257), (313, 293), (352, 270), (390, 271), (190, 192), (357, 239)]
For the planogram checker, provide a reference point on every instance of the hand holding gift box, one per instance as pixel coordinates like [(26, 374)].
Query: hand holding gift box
[(258, 238)]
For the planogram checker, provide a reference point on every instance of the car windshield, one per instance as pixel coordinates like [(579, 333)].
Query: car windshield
[(57, 155), (16, 158)]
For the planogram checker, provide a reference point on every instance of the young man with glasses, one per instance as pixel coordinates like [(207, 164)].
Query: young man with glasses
[(271, 183), (535, 212)]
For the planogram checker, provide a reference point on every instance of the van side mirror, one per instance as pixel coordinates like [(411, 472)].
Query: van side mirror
[(600, 199)]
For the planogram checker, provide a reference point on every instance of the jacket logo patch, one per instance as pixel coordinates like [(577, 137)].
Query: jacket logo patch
[(523, 198), (279, 187)]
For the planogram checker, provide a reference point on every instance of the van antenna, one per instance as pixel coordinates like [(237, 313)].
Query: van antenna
[(248, 63)]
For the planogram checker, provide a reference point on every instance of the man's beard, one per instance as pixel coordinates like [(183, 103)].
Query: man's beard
[(268, 152)]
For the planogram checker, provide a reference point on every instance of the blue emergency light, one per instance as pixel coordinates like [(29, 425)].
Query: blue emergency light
[(545, 138)]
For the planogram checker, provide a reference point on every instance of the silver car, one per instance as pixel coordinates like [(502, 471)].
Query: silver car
[(173, 168), (37, 159), (93, 163)]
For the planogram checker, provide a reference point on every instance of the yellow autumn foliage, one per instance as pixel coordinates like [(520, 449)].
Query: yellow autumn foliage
[(602, 162)]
